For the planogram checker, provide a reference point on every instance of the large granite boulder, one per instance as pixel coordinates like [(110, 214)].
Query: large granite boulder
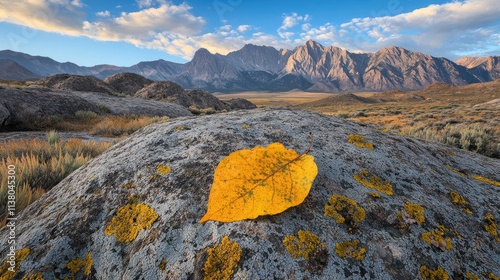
[(76, 83), (157, 182), (127, 83)]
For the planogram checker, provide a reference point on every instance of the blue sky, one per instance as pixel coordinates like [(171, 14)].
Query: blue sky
[(90, 32)]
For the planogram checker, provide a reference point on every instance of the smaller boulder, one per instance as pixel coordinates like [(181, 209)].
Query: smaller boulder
[(240, 103), (76, 83), (127, 83)]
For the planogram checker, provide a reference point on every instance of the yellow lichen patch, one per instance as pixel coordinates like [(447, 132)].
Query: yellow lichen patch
[(245, 126), (130, 185), (350, 249), (492, 276), (437, 274), (84, 265), (163, 169), (37, 276), (491, 227), (472, 276), (413, 211), (456, 171), (180, 127), (302, 245), (486, 180), (163, 265), (437, 238), (222, 259), (359, 141), (129, 220), (456, 198), (6, 267), (340, 208), (369, 180), (374, 194)]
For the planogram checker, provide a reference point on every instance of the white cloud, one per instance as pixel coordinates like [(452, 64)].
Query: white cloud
[(244, 28), (103, 14), (144, 3)]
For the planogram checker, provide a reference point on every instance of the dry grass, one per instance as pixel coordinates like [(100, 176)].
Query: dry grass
[(114, 126), (87, 121), (40, 166), (274, 99)]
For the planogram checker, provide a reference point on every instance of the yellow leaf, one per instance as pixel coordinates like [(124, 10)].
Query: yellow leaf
[(261, 181)]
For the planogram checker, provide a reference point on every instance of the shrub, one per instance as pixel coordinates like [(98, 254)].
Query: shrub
[(52, 137), (115, 126), (85, 116)]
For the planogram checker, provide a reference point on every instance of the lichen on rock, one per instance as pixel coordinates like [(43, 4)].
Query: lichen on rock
[(222, 260), (437, 238), (373, 181), (6, 268), (83, 265), (302, 245), (350, 249), (412, 213), (491, 227), (433, 274), (344, 209), (359, 140), (129, 220)]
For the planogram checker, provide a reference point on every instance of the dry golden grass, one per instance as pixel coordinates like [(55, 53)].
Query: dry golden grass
[(39, 166), (113, 126)]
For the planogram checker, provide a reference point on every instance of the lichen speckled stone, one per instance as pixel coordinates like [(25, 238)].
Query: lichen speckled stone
[(70, 220)]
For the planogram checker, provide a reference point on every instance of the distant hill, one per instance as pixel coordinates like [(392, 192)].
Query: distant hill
[(11, 70), (309, 67)]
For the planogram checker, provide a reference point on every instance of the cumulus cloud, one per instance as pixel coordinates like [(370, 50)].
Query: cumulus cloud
[(244, 28), (103, 14)]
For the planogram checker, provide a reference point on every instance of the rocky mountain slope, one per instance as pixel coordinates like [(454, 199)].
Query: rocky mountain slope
[(485, 68), (427, 209), (310, 66)]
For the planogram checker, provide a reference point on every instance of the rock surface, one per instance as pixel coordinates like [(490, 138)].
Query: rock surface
[(127, 83), (76, 83), (172, 92), (32, 105), (69, 222)]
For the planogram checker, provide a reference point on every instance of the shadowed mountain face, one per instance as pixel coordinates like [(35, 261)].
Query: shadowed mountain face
[(310, 66), (97, 217), (11, 70)]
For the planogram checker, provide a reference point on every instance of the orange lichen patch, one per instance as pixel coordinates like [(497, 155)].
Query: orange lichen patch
[(163, 169), (222, 259), (340, 208), (350, 249), (472, 276), (486, 180), (437, 238), (369, 180), (129, 220), (302, 245), (359, 141), (412, 213), (456, 171), (7, 271), (84, 265), (437, 274), (163, 265), (491, 227)]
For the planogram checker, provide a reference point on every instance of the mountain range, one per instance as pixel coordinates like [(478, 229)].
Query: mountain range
[(310, 67)]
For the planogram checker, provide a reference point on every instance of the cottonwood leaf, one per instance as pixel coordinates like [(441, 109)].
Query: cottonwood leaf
[(261, 181)]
